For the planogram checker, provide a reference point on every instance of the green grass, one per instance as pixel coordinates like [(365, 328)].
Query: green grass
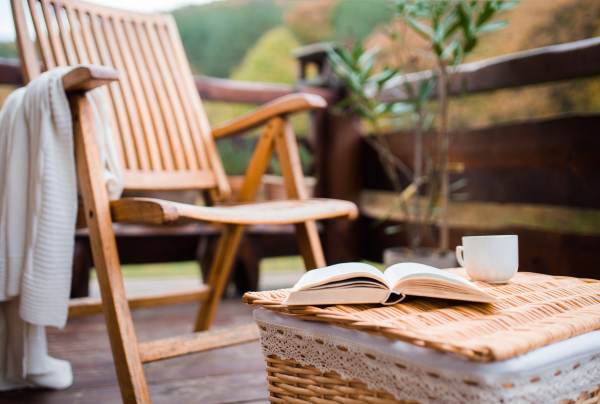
[(170, 269), (191, 268)]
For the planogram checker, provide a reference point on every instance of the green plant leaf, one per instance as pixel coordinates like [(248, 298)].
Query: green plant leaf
[(365, 113), (426, 89), (383, 76), (450, 49), (344, 103), (347, 56), (422, 29), (401, 108), (370, 54), (381, 108), (507, 5), (492, 26)]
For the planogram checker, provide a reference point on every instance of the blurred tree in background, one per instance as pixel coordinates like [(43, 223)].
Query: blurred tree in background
[(355, 20), (270, 57), (216, 36), (309, 20), (8, 50)]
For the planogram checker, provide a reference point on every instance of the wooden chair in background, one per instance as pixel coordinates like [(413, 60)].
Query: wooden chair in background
[(165, 143)]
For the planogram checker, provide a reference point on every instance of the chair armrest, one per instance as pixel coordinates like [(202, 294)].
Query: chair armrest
[(286, 105), (87, 77)]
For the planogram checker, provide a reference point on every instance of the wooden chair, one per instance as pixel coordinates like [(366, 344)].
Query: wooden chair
[(164, 143)]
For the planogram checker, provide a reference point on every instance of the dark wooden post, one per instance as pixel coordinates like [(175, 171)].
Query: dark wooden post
[(335, 140)]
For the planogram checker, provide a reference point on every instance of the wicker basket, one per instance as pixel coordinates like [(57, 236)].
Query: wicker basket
[(292, 383), (534, 310)]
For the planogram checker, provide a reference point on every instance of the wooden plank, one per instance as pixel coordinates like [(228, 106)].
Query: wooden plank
[(168, 180), (542, 65), (116, 311), (216, 89), (92, 50), (57, 46), (85, 78), (31, 68), (90, 305), (291, 169), (77, 34), (552, 162), (550, 252), (137, 145), (197, 342), (123, 134), (194, 150), (340, 142), (219, 274), (206, 377), (287, 105), (67, 40), (147, 135), (41, 37), (173, 110), (230, 239)]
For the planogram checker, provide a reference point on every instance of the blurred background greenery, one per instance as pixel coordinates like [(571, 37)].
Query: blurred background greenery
[(251, 40)]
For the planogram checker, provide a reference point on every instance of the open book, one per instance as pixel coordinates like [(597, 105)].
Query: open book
[(354, 282)]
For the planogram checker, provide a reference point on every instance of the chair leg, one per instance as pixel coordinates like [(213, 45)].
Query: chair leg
[(119, 324), (219, 274), (291, 169), (310, 246)]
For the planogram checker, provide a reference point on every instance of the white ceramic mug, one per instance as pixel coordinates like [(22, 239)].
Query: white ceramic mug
[(492, 259)]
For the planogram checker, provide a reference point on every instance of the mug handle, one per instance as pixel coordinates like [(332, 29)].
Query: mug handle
[(459, 255)]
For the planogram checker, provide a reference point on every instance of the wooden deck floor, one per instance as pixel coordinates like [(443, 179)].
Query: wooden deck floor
[(228, 375)]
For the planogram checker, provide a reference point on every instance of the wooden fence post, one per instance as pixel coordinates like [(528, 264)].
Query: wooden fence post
[(336, 142)]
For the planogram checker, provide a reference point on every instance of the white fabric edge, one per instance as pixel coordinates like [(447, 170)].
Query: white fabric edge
[(542, 358)]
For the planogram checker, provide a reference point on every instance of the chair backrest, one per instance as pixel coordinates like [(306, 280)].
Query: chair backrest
[(161, 130)]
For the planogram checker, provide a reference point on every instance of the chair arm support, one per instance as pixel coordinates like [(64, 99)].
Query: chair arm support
[(84, 78), (144, 210), (286, 105)]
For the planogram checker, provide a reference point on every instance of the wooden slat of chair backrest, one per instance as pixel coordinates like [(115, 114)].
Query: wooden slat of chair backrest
[(161, 130)]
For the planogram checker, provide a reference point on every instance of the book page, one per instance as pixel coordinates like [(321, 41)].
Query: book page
[(339, 272), (352, 295), (407, 270)]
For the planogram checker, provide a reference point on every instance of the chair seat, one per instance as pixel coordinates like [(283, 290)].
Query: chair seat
[(146, 210)]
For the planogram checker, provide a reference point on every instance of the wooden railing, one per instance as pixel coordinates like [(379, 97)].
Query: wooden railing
[(542, 65), (210, 88)]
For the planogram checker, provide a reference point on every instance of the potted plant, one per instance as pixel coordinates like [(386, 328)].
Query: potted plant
[(452, 29)]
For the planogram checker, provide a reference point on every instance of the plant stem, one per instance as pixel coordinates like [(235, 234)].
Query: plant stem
[(416, 239), (443, 153)]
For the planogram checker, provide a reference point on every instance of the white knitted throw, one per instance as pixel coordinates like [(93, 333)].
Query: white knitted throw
[(38, 194)]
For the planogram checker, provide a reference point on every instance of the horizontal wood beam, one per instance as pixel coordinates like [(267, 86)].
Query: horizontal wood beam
[(10, 72), (544, 251), (250, 92), (551, 63), (196, 342), (210, 88), (216, 89), (83, 306), (552, 162), (286, 105)]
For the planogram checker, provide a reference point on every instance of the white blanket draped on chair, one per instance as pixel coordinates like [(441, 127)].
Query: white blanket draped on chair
[(38, 194)]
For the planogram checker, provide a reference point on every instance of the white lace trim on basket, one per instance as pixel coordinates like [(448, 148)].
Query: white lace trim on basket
[(427, 384)]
